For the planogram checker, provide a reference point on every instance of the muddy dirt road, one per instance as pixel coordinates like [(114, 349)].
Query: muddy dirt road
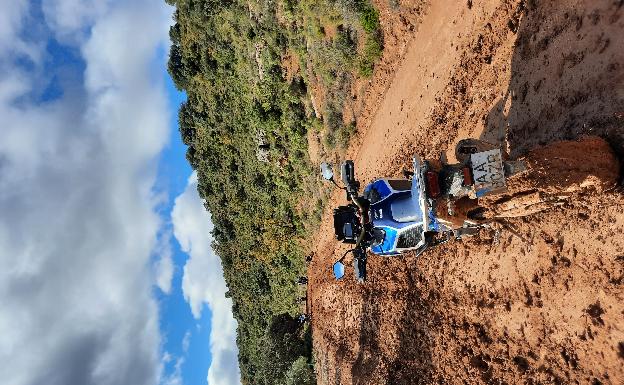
[(538, 302)]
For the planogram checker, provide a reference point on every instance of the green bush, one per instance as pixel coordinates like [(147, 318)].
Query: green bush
[(372, 52), (369, 18), (345, 44), (300, 373), (330, 140), (344, 134)]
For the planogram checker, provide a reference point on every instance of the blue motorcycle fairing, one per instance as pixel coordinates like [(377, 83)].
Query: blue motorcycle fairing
[(381, 217), (410, 207), (382, 189), (388, 244)]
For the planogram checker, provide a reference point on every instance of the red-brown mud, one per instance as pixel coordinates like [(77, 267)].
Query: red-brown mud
[(588, 163), (536, 300)]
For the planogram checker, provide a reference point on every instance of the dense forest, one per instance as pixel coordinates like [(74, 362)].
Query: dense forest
[(248, 69)]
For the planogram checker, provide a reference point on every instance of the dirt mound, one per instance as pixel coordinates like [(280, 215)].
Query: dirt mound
[(556, 174), (569, 166), (538, 300)]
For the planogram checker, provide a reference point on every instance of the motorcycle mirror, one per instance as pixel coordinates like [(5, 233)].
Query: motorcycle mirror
[(327, 171), (338, 270), (347, 172)]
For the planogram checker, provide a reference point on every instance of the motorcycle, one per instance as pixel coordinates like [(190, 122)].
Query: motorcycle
[(434, 203), (438, 202)]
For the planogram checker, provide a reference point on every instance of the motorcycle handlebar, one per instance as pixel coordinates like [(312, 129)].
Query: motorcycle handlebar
[(365, 219), (360, 238), (363, 210)]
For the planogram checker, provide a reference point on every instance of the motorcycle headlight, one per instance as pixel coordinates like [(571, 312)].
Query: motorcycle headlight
[(379, 235), (410, 237)]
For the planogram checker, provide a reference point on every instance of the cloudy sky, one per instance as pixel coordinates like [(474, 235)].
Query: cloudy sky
[(108, 276)]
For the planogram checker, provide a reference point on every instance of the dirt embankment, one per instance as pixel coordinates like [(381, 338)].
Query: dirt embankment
[(568, 167), (539, 301)]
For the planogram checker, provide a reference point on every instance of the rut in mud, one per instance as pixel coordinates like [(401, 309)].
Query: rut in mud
[(538, 299)]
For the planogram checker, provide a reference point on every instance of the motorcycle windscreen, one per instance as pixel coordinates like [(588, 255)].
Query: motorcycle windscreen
[(418, 189), (419, 199), (412, 209)]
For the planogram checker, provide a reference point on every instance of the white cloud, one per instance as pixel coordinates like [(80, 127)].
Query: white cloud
[(203, 283), (175, 378), (68, 18), (164, 266), (13, 15), (186, 341), (11, 20), (77, 219)]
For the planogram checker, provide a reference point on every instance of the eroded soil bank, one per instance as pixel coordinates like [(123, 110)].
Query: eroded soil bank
[(538, 300)]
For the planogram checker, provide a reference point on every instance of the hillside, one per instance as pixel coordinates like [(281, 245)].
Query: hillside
[(265, 82)]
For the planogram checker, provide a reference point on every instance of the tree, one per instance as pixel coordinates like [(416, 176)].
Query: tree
[(301, 372), (176, 68), (282, 346)]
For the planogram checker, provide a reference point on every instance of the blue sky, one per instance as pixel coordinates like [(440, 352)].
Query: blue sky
[(109, 276), (177, 321)]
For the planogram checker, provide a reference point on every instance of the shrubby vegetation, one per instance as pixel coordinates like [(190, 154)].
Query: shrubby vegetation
[(245, 123)]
